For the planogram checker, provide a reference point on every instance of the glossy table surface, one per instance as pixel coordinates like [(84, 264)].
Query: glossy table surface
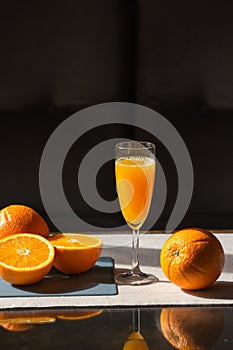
[(161, 328)]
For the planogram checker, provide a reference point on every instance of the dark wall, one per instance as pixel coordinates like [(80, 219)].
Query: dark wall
[(176, 58)]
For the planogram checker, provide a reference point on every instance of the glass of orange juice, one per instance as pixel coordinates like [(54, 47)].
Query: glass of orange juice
[(135, 174)]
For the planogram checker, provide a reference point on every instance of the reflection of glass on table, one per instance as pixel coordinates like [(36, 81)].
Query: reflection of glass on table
[(135, 340)]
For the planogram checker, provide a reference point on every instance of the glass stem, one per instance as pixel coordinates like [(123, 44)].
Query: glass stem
[(135, 252), (136, 320)]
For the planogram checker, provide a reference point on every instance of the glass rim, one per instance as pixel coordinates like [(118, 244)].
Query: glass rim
[(145, 145)]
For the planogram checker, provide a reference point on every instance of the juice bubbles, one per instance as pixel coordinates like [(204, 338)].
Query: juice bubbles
[(135, 183)]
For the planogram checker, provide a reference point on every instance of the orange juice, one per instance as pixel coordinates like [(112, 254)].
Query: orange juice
[(135, 184)]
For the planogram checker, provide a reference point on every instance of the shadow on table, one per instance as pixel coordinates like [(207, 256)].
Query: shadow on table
[(219, 290), (58, 283)]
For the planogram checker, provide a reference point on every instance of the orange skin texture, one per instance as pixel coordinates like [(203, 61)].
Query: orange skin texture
[(192, 258), (18, 218), (72, 258), (191, 328), (73, 261)]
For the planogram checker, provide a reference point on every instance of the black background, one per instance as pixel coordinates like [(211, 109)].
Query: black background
[(58, 57)]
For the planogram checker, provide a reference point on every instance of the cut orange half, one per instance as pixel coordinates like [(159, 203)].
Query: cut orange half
[(75, 253), (25, 258)]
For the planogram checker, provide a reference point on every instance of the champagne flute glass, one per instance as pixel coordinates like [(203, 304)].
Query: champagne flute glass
[(135, 174)]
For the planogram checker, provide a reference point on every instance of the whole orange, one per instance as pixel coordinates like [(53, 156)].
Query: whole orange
[(192, 258), (191, 328), (18, 218)]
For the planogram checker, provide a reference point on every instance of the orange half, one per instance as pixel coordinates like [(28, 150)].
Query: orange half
[(25, 258), (75, 253)]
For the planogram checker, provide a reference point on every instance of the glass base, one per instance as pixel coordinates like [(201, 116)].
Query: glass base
[(135, 278)]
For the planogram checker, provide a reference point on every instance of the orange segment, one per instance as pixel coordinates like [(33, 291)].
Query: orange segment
[(75, 253), (25, 258), (17, 218)]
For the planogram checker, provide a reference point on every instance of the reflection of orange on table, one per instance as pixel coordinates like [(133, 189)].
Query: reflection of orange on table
[(19, 321), (28, 316), (191, 328), (17, 327), (78, 315), (24, 320)]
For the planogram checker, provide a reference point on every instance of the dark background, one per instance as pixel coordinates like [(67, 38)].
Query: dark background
[(58, 57)]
